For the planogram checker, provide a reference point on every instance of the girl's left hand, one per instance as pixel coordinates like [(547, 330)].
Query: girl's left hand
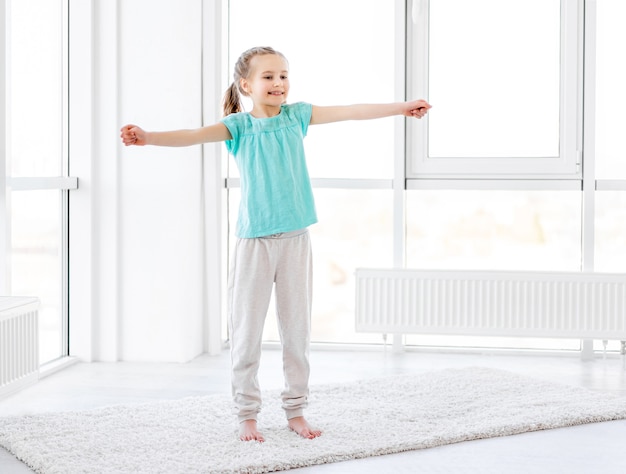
[(133, 135), (417, 108)]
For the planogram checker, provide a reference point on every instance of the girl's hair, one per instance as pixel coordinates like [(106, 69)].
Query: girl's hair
[(232, 98)]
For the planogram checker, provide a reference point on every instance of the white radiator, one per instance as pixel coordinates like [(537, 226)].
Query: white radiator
[(19, 343), (495, 303)]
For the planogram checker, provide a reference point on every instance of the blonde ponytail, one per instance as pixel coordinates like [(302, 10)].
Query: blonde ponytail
[(232, 100)]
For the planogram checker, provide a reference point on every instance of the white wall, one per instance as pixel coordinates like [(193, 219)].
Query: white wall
[(137, 238)]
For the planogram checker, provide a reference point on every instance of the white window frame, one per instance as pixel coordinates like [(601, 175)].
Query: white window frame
[(565, 166), (64, 184)]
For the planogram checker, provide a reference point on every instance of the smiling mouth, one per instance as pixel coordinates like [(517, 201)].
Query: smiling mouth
[(276, 93)]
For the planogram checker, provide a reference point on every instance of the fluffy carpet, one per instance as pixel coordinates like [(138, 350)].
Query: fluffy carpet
[(368, 418)]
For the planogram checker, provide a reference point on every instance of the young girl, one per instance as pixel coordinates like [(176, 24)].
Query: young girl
[(276, 208)]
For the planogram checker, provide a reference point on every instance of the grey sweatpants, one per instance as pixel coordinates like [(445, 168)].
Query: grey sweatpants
[(257, 264)]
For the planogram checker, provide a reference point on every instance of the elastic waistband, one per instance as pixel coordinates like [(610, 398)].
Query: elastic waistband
[(286, 235)]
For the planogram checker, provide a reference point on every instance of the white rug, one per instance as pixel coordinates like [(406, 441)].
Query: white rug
[(368, 418)]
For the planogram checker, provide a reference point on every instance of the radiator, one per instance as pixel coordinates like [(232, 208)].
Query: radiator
[(492, 303), (19, 343)]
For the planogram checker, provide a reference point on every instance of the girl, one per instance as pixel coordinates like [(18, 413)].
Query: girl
[(276, 208)]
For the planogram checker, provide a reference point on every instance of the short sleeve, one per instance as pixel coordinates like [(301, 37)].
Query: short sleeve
[(303, 112), (232, 123)]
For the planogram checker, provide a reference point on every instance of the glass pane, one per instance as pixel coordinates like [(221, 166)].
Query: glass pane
[(356, 234), (610, 228), (35, 88), (494, 72), (610, 91), (494, 230), (36, 256), (332, 68)]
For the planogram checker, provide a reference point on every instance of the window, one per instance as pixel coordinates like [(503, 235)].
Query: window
[(493, 178), (36, 164), (528, 230), (505, 101)]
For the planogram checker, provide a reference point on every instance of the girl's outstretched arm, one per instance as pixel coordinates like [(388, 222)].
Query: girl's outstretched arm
[(134, 135), (337, 113)]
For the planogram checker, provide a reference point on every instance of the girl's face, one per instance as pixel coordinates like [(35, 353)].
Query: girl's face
[(268, 83)]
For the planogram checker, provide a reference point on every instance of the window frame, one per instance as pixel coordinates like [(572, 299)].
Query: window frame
[(63, 183), (565, 166)]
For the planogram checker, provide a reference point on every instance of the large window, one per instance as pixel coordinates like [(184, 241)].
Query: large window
[(518, 166), (35, 260)]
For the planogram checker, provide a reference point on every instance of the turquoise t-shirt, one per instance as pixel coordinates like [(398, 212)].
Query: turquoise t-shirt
[(276, 194)]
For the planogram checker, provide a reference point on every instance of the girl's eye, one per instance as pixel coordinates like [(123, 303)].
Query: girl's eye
[(283, 77)]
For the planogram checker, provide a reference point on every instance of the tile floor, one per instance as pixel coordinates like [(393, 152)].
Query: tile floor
[(595, 448)]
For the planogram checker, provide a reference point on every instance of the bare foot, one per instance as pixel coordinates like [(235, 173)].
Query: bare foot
[(248, 431), (302, 427)]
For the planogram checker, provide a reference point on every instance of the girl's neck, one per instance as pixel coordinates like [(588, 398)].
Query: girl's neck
[(265, 111)]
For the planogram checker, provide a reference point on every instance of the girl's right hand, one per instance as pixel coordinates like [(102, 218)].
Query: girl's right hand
[(417, 108), (133, 135)]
